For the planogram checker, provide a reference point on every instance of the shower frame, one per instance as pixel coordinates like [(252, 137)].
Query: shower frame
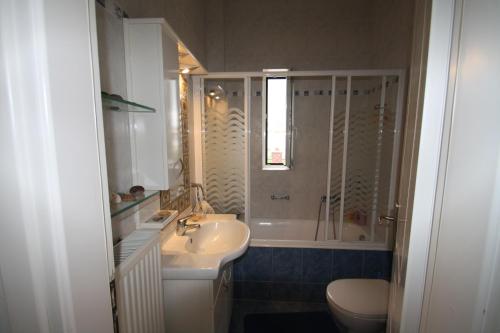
[(246, 77)]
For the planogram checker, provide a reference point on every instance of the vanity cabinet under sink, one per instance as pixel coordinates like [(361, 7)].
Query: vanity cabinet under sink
[(197, 272), (202, 306)]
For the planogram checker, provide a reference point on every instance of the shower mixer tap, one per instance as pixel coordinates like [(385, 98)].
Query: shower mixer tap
[(280, 197)]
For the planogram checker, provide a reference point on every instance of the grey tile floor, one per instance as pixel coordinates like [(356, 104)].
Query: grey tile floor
[(243, 307)]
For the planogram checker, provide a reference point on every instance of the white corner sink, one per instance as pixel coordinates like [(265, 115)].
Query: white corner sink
[(200, 253)]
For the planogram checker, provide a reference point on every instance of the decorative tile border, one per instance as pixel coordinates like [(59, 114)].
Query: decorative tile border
[(180, 203), (296, 274), (184, 99), (183, 201)]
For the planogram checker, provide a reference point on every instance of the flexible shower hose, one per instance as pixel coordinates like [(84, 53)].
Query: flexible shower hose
[(319, 217)]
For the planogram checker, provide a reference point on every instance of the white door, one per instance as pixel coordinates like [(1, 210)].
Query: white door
[(462, 288)]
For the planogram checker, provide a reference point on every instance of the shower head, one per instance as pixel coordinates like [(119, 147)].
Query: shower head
[(217, 93)]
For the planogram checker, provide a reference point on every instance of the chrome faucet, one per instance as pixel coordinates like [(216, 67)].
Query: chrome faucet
[(182, 225)]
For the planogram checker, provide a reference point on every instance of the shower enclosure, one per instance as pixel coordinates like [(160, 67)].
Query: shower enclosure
[(223, 141), (338, 172)]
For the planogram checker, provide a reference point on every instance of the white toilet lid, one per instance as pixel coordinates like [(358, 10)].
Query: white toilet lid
[(361, 297)]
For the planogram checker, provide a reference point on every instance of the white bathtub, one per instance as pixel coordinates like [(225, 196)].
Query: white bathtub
[(301, 233)]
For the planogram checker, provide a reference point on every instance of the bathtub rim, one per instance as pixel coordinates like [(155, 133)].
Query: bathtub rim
[(331, 244), (309, 243)]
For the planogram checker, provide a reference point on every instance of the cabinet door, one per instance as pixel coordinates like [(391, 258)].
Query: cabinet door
[(144, 65), (152, 61), (223, 305)]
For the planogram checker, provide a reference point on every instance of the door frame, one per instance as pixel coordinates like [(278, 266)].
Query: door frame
[(432, 151), (54, 244), (475, 261), (435, 66)]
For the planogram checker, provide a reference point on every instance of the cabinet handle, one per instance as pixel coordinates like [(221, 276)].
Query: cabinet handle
[(226, 279)]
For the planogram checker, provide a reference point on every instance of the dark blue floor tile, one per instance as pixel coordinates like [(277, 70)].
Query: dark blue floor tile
[(314, 292), (238, 289), (257, 290), (378, 265), (257, 264), (287, 264), (286, 291), (238, 269), (347, 264), (294, 322), (317, 265)]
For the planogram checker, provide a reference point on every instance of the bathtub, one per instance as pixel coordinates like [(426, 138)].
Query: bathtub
[(272, 232)]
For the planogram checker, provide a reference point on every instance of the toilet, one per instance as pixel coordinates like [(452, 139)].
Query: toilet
[(359, 305)]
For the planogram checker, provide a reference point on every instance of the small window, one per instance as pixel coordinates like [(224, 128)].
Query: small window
[(277, 122)]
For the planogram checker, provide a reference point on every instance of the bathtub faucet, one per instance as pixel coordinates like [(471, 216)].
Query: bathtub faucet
[(280, 196)]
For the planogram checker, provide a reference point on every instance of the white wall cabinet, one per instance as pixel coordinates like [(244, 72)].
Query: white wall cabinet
[(152, 65), (201, 306)]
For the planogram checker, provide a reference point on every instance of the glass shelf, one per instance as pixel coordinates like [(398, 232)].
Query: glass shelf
[(117, 208), (118, 104)]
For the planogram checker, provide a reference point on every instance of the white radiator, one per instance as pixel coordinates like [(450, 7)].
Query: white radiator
[(138, 283)]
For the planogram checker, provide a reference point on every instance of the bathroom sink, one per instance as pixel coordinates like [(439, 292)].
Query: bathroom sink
[(215, 237), (201, 253)]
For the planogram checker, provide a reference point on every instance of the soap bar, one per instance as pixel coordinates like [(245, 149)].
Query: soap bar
[(165, 212)]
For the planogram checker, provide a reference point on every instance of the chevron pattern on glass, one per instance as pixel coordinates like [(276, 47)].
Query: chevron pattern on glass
[(337, 155), (363, 152), (224, 147)]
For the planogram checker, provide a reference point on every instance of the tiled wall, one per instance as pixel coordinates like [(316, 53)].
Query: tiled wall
[(126, 222), (186, 17), (296, 274), (307, 35)]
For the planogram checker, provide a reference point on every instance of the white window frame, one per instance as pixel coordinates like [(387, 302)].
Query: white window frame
[(290, 126)]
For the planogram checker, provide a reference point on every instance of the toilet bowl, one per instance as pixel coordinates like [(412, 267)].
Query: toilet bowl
[(359, 305)]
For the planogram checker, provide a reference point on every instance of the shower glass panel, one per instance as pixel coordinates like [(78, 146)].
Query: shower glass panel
[(285, 204), (368, 158), (388, 170), (223, 131), (337, 158), (343, 133)]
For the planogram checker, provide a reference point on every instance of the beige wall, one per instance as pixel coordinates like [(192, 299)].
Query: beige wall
[(241, 35), (245, 35)]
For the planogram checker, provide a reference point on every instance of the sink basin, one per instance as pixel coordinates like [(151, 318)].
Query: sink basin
[(200, 253), (216, 237)]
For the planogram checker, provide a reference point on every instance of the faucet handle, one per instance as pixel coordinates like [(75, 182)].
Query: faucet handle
[(185, 219), (182, 225)]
